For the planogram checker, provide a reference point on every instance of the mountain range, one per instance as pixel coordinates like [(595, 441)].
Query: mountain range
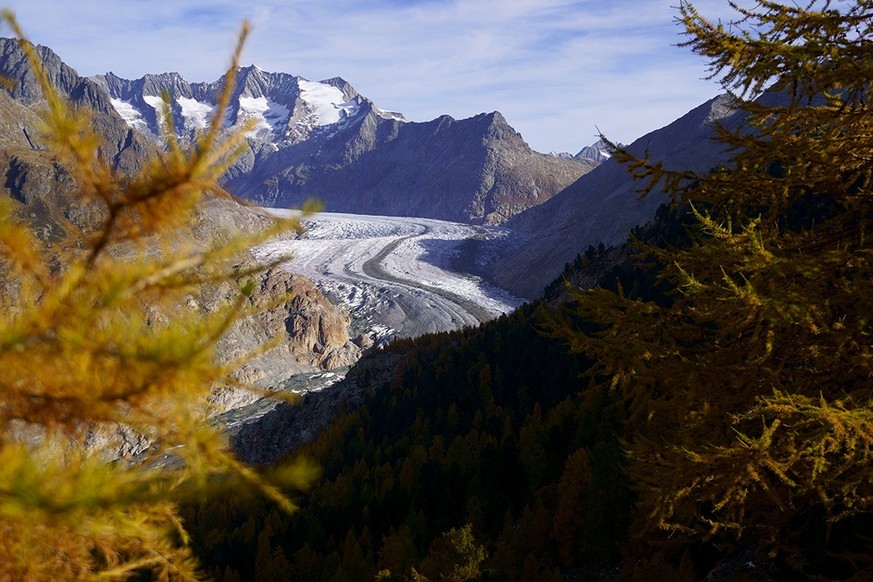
[(320, 140), (324, 140)]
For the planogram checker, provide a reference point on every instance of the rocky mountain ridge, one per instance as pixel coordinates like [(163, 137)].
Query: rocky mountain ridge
[(325, 140), (285, 109), (126, 148)]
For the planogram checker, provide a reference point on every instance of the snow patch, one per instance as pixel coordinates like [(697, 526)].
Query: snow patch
[(391, 115), (327, 102), (269, 116), (157, 104), (129, 114), (196, 114)]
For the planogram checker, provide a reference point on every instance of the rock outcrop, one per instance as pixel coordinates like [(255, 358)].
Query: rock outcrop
[(306, 331)]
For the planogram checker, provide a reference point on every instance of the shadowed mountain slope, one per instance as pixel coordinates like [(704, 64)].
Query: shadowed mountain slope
[(603, 205)]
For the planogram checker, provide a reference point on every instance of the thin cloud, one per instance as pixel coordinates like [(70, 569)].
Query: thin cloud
[(554, 68)]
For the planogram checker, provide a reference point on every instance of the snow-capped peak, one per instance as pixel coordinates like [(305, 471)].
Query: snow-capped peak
[(280, 108), (327, 102), (596, 152)]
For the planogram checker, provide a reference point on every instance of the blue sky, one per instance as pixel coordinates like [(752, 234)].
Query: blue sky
[(556, 69)]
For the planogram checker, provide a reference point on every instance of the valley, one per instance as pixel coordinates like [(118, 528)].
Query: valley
[(635, 362), (397, 277)]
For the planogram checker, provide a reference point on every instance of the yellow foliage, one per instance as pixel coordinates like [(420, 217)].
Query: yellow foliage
[(81, 349)]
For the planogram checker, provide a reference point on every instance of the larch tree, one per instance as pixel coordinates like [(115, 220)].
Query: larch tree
[(79, 349), (749, 389)]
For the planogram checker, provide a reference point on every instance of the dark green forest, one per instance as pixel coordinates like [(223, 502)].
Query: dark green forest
[(490, 427)]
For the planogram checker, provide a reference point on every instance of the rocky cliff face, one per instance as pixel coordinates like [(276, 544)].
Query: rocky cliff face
[(124, 147), (324, 140), (313, 334)]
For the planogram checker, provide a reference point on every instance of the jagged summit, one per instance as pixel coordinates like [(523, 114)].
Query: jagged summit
[(282, 108), (23, 84), (597, 152)]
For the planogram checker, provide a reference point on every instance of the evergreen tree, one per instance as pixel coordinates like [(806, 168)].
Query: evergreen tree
[(80, 348), (455, 556), (748, 392)]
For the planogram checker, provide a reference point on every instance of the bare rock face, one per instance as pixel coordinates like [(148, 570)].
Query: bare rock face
[(317, 332), (116, 441), (124, 147), (110, 441), (308, 334)]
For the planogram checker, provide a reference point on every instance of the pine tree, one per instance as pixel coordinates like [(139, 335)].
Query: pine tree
[(454, 556), (80, 348), (748, 389)]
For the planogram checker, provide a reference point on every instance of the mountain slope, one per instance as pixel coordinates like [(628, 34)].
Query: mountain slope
[(603, 205), (475, 170), (124, 147)]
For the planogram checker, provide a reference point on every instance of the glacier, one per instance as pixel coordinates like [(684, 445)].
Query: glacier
[(396, 276)]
